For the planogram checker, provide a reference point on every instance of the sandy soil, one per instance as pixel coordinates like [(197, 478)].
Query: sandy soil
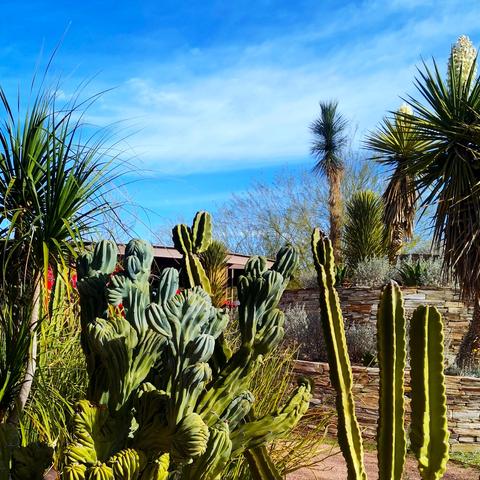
[(334, 468)]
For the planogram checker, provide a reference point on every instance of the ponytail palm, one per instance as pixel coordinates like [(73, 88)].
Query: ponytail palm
[(51, 195), (447, 118), (394, 143)]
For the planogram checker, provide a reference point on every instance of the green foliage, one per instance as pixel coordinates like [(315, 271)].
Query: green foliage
[(364, 230), (429, 433), (160, 404), (412, 274)]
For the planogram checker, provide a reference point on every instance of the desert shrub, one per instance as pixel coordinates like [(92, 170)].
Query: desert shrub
[(305, 332), (362, 343), (373, 272), (303, 329)]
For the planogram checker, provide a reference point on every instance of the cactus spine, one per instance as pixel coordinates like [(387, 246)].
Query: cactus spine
[(159, 407), (429, 433)]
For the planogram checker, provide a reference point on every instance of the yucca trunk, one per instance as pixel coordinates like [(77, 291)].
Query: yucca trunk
[(335, 210), (469, 353)]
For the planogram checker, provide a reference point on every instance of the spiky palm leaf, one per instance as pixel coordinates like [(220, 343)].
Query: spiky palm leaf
[(51, 194), (394, 142), (364, 231), (447, 117), (330, 141)]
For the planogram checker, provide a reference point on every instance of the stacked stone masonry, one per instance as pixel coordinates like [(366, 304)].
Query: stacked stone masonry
[(359, 305), (463, 401)]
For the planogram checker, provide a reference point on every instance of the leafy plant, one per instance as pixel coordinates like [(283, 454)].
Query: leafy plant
[(51, 194), (364, 231)]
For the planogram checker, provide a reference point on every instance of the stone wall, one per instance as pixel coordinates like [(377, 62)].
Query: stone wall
[(463, 401), (359, 304)]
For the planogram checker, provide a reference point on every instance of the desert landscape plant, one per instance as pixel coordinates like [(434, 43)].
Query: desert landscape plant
[(158, 404), (429, 432)]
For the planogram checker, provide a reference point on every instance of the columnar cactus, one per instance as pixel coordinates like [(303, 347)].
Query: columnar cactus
[(190, 242), (429, 433), (157, 407)]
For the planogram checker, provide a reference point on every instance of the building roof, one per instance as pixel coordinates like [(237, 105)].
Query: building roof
[(235, 261)]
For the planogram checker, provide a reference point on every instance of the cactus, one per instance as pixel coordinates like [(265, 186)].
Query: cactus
[(349, 436), (190, 242), (160, 405), (429, 433), (391, 438)]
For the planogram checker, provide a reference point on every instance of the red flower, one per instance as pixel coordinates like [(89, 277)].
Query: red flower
[(50, 279)]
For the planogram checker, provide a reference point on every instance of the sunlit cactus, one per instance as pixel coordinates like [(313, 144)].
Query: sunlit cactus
[(161, 404), (429, 432)]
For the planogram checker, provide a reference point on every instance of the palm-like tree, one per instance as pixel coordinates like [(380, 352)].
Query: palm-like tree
[(52, 189), (329, 142), (447, 118), (394, 143)]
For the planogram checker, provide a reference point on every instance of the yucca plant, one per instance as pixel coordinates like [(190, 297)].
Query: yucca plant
[(52, 187), (329, 143), (394, 142), (364, 231), (446, 116)]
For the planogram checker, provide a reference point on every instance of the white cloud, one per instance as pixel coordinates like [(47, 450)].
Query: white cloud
[(255, 109)]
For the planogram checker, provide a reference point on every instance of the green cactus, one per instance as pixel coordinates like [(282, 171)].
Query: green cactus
[(391, 341), (349, 436), (429, 432), (190, 242), (160, 405)]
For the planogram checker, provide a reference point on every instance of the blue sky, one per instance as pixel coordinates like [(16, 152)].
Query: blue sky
[(211, 95)]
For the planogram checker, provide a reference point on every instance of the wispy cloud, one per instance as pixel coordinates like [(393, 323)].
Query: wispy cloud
[(238, 105)]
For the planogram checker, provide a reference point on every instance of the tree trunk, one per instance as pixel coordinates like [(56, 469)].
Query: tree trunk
[(335, 210), (468, 357), (31, 366)]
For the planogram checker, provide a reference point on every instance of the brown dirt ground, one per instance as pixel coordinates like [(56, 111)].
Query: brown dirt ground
[(334, 468)]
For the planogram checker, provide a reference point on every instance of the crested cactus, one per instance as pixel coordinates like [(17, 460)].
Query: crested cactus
[(160, 405), (429, 432)]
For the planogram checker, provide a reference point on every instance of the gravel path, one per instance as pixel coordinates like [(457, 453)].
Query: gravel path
[(334, 468)]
